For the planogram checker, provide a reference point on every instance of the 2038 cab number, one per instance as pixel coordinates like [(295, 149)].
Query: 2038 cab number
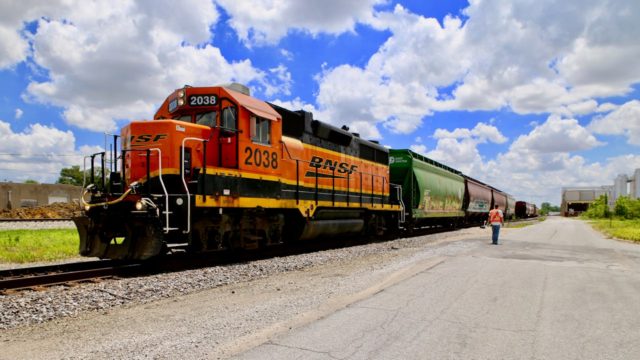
[(203, 100), (261, 158)]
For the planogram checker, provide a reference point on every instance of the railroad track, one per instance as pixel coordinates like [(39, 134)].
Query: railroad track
[(13, 280), (35, 277), (42, 276)]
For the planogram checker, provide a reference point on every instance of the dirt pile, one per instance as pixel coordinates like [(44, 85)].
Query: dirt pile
[(53, 211)]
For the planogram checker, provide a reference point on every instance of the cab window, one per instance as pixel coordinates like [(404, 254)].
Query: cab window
[(207, 119), (228, 121), (185, 118), (260, 130)]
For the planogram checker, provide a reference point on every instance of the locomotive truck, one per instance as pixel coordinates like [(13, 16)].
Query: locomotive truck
[(218, 169)]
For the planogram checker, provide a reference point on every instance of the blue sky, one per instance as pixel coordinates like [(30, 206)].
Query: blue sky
[(527, 96)]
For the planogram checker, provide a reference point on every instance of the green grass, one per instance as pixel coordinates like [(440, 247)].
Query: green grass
[(520, 224), (621, 229), (22, 246), (517, 225)]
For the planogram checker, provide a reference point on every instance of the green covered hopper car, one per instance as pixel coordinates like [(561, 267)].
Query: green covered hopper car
[(432, 192)]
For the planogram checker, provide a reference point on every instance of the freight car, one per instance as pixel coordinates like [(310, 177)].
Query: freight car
[(478, 200), (526, 210), (433, 193), (510, 212), (218, 169)]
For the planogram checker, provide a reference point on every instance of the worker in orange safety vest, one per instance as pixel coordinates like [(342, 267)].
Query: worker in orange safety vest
[(496, 219)]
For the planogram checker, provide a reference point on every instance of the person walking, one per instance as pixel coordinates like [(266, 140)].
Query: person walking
[(496, 219)]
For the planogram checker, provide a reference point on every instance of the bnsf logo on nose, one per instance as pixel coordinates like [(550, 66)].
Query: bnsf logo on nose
[(145, 138), (328, 164)]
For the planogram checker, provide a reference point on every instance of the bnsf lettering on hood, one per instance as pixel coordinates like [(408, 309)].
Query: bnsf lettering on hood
[(328, 164)]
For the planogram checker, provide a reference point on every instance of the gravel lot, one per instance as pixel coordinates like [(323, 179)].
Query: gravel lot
[(245, 297)]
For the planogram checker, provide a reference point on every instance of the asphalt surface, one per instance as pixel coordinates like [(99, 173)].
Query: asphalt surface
[(555, 290)]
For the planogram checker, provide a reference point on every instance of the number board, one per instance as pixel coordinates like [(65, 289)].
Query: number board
[(261, 158), (203, 100)]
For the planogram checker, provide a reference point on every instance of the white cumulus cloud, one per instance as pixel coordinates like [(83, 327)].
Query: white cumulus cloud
[(540, 57), (38, 153), (625, 120), (107, 62), (557, 135), (263, 22)]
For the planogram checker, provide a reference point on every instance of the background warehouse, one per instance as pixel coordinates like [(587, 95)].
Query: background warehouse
[(17, 195)]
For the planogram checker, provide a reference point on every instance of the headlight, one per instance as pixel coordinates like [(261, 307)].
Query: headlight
[(180, 102), (140, 205), (181, 93)]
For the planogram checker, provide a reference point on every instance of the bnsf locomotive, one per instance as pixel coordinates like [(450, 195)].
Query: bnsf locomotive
[(218, 169)]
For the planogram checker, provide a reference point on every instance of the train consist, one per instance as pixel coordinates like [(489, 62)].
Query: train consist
[(218, 169)]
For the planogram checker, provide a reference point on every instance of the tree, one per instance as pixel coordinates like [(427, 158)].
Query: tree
[(74, 176), (31, 181), (627, 208), (546, 208), (71, 176)]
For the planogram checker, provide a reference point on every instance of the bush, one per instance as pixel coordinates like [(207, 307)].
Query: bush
[(598, 209), (627, 208)]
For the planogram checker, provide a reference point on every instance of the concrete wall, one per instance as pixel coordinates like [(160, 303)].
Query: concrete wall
[(16, 195)]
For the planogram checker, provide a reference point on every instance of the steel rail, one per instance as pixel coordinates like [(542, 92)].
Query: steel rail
[(24, 278)]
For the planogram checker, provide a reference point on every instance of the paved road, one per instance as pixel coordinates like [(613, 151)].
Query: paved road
[(555, 290)]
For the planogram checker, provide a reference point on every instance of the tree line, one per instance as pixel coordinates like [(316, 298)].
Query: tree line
[(70, 176), (625, 208)]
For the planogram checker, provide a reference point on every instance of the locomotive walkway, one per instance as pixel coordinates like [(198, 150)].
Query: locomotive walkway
[(556, 290), (553, 290)]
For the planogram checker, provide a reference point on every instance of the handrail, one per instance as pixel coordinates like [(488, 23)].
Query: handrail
[(184, 181), (164, 188), (402, 213), (361, 192)]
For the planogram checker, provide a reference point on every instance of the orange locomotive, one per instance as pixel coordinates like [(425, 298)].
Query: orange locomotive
[(218, 169)]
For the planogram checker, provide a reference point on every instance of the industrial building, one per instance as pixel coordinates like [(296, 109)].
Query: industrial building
[(17, 195), (576, 200), (627, 186)]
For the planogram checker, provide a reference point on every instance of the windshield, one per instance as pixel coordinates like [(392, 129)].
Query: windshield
[(185, 118), (207, 118)]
